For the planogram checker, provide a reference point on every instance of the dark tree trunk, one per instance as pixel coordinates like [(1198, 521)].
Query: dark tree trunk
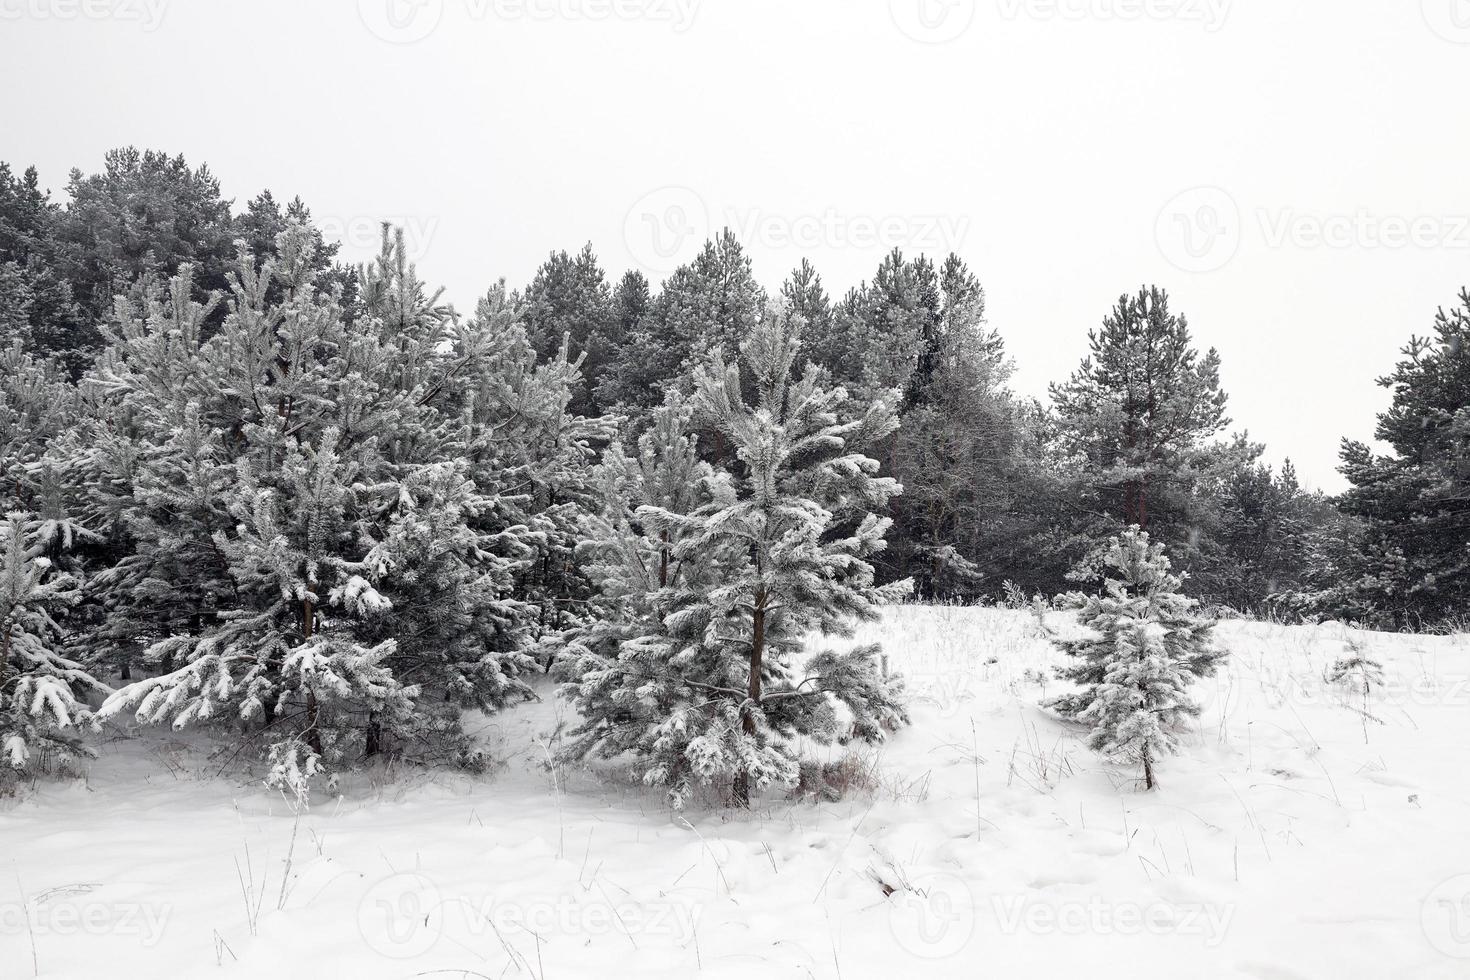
[(741, 791), (313, 733), (1135, 503), (374, 744)]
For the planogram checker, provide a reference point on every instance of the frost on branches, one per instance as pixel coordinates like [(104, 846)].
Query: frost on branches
[(716, 578), (42, 692), (329, 509), (1147, 645)]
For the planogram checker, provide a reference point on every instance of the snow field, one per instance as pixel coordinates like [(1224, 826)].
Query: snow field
[(1307, 830)]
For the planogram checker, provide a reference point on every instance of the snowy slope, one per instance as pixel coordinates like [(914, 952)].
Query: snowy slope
[(1295, 837)]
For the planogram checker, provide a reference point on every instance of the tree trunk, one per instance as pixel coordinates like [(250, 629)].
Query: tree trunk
[(663, 560), (313, 734), (374, 744), (1135, 503), (741, 791), (1148, 769)]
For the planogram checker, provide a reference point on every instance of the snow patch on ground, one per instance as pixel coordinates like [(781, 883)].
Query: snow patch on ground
[(1307, 830)]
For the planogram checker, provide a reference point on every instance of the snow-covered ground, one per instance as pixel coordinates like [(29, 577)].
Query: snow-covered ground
[(1303, 832)]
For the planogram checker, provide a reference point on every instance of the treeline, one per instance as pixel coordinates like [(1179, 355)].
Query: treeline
[(260, 484)]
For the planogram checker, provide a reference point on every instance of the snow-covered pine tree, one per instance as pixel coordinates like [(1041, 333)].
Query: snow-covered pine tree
[(791, 533), (623, 683), (531, 455), (570, 302), (330, 571), (1410, 564), (1139, 405), (705, 306), (1147, 643), (42, 691), (35, 406)]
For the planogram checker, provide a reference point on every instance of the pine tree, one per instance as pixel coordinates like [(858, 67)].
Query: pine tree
[(790, 531), (37, 306), (1414, 505), (145, 215), (1253, 544), (1140, 404), (623, 685), (36, 406), (532, 455), (804, 296), (885, 334), (1146, 644), (960, 452), (309, 553), (42, 692), (569, 302), (624, 380)]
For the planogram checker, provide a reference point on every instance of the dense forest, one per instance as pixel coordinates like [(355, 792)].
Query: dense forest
[(250, 484)]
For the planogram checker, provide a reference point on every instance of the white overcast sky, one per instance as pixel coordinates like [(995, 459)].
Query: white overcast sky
[(1294, 172)]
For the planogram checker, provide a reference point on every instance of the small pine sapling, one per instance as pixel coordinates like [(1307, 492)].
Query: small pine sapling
[(1146, 644), (1359, 673)]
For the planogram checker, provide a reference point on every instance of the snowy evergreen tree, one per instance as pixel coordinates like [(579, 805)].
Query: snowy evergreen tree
[(708, 305), (332, 558), (530, 453), (1139, 405), (43, 693), (1146, 644), (624, 379), (36, 406), (569, 302), (1255, 544), (787, 538), (37, 305), (614, 672), (1414, 503), (961, 454)]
